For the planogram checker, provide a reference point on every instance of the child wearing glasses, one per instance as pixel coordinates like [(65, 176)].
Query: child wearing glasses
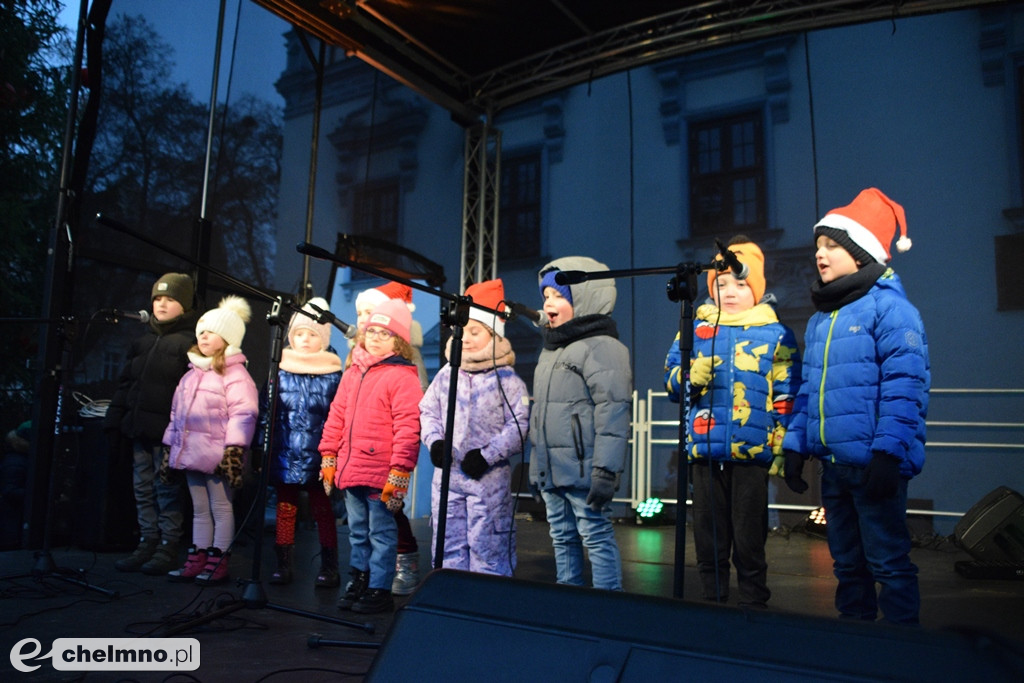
[(369, 447)]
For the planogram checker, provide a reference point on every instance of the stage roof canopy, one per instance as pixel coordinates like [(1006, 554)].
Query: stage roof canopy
[(475, 57)]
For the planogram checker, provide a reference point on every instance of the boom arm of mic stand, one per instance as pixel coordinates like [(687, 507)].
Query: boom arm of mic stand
[(240, 284)]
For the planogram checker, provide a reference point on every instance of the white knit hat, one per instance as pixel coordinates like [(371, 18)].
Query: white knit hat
[(227, 320), (301, 320)]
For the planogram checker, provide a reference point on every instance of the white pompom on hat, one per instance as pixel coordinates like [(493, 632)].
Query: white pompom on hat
[(870, 223), (227, 320), (302, 321)]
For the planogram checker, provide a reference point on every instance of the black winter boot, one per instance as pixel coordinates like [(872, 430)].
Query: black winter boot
[(355, 589), (283, 574), (373, 601), (328, 576)]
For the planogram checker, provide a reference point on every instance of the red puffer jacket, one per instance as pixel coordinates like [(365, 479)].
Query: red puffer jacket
[(374, 422)]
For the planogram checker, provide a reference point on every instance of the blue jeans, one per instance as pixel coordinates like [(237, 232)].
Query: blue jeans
[(870, 543), (373, 535), (157, 505), (574, 525)]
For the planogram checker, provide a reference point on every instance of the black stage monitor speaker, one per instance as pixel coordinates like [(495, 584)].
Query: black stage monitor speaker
[(470, 627), (993, 530)]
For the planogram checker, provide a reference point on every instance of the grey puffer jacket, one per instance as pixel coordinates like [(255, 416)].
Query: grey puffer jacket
[(582, 388)]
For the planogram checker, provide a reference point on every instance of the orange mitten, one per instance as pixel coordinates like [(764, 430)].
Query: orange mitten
[(328, 468), (393, 495)]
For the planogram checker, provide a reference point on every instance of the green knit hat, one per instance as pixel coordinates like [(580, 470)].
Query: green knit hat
[(178, 286)]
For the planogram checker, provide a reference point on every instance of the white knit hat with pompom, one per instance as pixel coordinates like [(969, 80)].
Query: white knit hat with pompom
[(227, 320)]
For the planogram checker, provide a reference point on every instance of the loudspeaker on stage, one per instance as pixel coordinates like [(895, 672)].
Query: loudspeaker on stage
[(464, 626)]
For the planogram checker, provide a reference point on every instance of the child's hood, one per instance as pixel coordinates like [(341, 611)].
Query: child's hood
[(590, 296)]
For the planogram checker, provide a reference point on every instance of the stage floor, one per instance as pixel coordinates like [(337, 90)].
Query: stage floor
[(273, 642)]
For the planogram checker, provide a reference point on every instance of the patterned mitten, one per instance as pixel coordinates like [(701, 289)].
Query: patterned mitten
[(328, 468), (395, 489), (230, 466)]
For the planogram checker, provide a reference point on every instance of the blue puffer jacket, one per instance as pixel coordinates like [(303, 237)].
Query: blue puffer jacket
[(866, 381), (306, 386), (742, 416)]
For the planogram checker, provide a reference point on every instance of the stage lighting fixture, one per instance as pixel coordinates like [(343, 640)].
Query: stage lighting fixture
[(815, 523), (649, 510)]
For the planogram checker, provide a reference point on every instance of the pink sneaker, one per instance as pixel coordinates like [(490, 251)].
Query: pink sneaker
[(194, 565), (216, 569)]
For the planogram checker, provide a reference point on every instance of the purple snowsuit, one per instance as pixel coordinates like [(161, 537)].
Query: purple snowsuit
[(479, 534)]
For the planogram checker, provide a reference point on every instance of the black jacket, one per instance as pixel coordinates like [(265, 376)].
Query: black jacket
[(141, 406)]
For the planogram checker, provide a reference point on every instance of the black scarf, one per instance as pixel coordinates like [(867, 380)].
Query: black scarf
[(594, 325), (182, 322), (836, 294)]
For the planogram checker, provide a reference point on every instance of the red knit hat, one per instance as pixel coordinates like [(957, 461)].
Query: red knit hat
[(490, 293), (392, 315), (869, 222), (396, 290)]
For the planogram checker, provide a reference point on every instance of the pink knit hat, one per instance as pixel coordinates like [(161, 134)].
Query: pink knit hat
[(392, 315)]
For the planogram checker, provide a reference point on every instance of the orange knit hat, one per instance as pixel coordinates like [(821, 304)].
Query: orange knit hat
[(749, 254)]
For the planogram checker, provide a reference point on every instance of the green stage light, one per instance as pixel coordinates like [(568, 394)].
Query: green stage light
[(649, 508)]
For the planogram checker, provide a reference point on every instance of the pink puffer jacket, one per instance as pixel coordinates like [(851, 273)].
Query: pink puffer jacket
[(209, 412)]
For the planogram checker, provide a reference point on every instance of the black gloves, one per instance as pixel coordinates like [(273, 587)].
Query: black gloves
[(882, 476), (437, 453), (473, 464), (602, 488), (793, 469)]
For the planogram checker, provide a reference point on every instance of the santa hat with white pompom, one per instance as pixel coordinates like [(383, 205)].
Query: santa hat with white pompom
[(227, 320), (866, 226)]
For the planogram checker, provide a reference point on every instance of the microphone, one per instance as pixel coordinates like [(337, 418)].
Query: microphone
[(739, 270), (570, 277), (116, 314), (514, 310), (327, 317), (314, 251)]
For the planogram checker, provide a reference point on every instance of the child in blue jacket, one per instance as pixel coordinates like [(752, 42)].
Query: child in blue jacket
[(744, 373), (862, 407)]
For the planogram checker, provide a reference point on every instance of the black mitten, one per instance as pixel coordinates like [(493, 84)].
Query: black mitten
[(602, 488), (882, 476), (437, 453), (473, 464), (793, 470)]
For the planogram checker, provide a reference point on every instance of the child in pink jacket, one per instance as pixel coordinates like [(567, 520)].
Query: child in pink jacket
[(370, 445), (212, 422)]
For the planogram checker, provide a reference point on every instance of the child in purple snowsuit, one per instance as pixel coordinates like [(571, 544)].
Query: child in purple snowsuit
[(491, 419)]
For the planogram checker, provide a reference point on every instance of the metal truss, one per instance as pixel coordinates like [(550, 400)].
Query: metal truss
[(480, 203)]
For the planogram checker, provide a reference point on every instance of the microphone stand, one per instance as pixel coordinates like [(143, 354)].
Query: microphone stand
[(456, 315), (681, 288), (253, 594)]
